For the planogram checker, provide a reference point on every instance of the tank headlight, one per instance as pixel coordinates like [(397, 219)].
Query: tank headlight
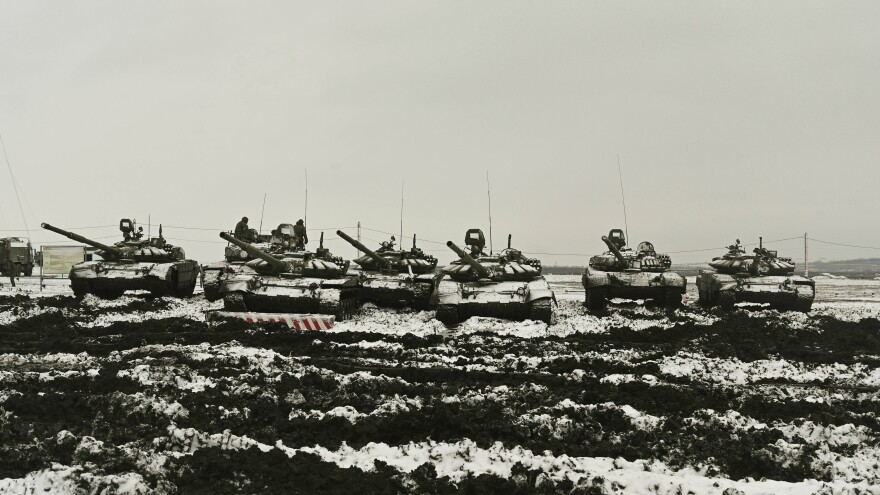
[(242, 254)]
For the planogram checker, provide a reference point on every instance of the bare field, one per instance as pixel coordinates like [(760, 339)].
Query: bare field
[(139, 395)]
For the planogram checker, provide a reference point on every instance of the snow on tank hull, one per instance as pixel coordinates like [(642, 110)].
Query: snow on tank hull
[(111, 278), (214, 274), (663, 287), (252, 292), (397, 291), (512, 300), (782, 292)]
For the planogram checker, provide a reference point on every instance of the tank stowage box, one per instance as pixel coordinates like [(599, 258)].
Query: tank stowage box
[(507, 285), (132, 264), (640, 274), (292, 282), (395, 277), (762, 277)]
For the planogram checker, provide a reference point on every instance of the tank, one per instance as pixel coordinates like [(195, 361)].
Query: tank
[(278, 242), (290, 282), (395, 277), (631, 274), (762, 277), (507, 285), (134, 263), (16, 257)]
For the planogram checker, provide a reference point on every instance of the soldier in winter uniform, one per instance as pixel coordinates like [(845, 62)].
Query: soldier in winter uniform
[(300, 236), (242, 231)]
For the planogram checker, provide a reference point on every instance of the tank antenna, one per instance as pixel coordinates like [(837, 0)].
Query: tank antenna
[(622, 198), (262, 213), (306, 213), (806, 259), (489, 195), (401, 212)]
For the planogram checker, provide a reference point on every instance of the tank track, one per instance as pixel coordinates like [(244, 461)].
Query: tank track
[(344, 309), (672, 298), (596, 299), (540, 310), (447, 314)]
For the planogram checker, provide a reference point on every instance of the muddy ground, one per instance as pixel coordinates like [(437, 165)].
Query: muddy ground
[(141, 395)]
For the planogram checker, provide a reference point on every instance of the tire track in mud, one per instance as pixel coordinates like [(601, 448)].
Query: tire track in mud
[(351, 388)]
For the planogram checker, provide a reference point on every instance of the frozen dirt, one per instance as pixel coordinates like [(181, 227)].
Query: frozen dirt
[(140, 395)]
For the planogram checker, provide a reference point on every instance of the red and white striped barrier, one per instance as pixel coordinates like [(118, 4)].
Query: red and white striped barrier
[(295, 321)]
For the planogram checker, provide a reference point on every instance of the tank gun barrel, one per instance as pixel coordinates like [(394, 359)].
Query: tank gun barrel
[(256, 253), (372, 254), (615, 251), (481, 270), (112, 250)]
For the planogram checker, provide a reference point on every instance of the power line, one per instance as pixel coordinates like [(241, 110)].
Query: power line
[(14, 186), (392, 233), (224, 230), (845, 245)]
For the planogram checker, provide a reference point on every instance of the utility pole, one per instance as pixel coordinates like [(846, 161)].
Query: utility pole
[(806, 258), (359, 237)]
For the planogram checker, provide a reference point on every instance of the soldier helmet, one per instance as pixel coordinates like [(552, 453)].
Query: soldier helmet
[(244, 219), (299, 222)]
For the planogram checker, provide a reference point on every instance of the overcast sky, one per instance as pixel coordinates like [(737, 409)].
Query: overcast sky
[(731, 119)]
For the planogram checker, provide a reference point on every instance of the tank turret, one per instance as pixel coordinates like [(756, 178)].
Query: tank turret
[(762, 262), (279, 265), (616, 252), (382, 262), (110, 251), (480, 270)]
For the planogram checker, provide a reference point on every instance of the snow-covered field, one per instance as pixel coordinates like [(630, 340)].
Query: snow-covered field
[(140, 395)]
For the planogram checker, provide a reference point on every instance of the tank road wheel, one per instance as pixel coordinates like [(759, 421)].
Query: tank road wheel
[(447, 314), (540, 311), (672, 298), (234, 302), (726, 300), (596, 300)]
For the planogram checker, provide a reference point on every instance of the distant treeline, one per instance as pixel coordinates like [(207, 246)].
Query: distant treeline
[(858, 268)]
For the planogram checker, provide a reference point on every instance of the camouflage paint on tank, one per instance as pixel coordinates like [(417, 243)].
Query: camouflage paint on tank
[(395, 277), (289, 282), (507, 285), (763, 277), (132, 264), (631, 274)]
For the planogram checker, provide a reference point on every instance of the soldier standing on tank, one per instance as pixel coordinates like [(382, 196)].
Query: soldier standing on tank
[(300, 236), (242, 231)]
